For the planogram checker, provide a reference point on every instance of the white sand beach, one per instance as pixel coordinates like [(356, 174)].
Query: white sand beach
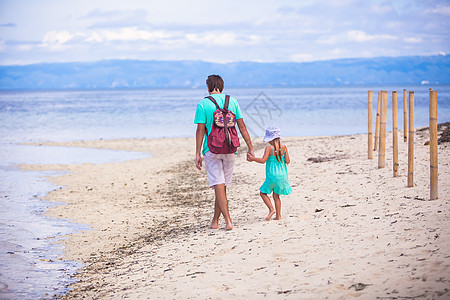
[(348, 230)]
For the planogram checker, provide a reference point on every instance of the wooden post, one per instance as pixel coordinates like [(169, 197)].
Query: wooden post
[(411, 141), (405, 118), (377, 123), (370, 126), (382, 148), (433, 146), (395, 133)]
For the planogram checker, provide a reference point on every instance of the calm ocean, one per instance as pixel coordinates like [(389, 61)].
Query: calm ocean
[(29, 265)]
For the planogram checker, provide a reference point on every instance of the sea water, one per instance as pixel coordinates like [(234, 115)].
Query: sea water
[(30, 255)]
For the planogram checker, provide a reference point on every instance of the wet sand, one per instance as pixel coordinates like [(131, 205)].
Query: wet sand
[(348, 229)]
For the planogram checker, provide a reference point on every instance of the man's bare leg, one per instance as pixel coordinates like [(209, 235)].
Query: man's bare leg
[(269, 205), (217, 212), (222, 203), (215, 220)]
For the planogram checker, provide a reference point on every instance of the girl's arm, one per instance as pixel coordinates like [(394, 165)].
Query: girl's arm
[(262, 159), (287, 159)]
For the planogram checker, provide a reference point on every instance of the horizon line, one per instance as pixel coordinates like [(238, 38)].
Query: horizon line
[(213, 62)]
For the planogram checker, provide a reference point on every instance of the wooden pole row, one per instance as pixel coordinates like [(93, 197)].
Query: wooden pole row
[(377, 123), (395, 134), (433, 146), (382, 147), (411, 140), (405, 119), (370, 125), (408, 134)]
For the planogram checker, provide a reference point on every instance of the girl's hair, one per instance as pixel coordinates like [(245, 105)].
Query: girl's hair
[(277, 149)]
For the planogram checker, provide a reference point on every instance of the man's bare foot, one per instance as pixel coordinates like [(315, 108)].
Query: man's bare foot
[(278, 218), (269, 216), (214, 225), (229, 227)]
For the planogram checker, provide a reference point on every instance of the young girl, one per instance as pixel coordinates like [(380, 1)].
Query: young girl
[(276, 158)]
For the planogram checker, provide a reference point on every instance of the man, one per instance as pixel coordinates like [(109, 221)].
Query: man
[(219, 167)]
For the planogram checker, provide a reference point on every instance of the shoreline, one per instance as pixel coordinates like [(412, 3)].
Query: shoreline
[(150, 219)]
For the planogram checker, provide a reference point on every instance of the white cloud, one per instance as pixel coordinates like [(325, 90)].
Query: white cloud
[(339, 3), (95, 37), (302, 30), (302, 57), (56, 40), (381, 9), (336, 51), (126, 34), (361, 36), (358, 36), (442, 10), (253, 39), (25, 47), (327, 40), (412, 40), (220, 39), (57, 37)]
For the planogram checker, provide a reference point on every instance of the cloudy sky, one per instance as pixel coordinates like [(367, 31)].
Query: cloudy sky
[(220, 31)]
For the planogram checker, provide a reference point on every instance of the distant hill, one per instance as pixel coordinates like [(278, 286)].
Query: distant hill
[(109, 74)]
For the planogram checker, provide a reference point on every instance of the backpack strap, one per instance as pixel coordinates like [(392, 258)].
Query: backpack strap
[(214, 101), (225, 107), (227, 101)]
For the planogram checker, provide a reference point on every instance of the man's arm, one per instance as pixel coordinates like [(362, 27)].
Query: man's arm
[(246, 136), (261, 160), (199, 135)]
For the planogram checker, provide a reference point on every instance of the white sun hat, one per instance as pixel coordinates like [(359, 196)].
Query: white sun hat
[(272, 132)]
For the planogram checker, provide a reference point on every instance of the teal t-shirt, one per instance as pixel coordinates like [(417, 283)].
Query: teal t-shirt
[(206, 109)]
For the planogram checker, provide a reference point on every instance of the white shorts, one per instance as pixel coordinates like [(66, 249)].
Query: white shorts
[(219, 168)]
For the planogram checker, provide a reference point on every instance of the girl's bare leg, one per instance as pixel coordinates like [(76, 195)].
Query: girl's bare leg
[(277, 200), (269, 205)]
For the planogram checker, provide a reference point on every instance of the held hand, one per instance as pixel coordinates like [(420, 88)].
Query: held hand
[(250, 156), (198, 161)]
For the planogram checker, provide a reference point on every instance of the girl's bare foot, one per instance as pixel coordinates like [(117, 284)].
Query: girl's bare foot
[(214, 225), (229, 227), (278, 217), (269, 216)]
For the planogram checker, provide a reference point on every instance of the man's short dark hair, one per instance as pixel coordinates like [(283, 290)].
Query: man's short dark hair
[(214, 82)]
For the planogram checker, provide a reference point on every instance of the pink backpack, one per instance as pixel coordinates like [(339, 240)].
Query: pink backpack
[(223, 138)]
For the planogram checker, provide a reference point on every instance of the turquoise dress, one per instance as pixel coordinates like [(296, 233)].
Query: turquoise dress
[(276, 176)]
